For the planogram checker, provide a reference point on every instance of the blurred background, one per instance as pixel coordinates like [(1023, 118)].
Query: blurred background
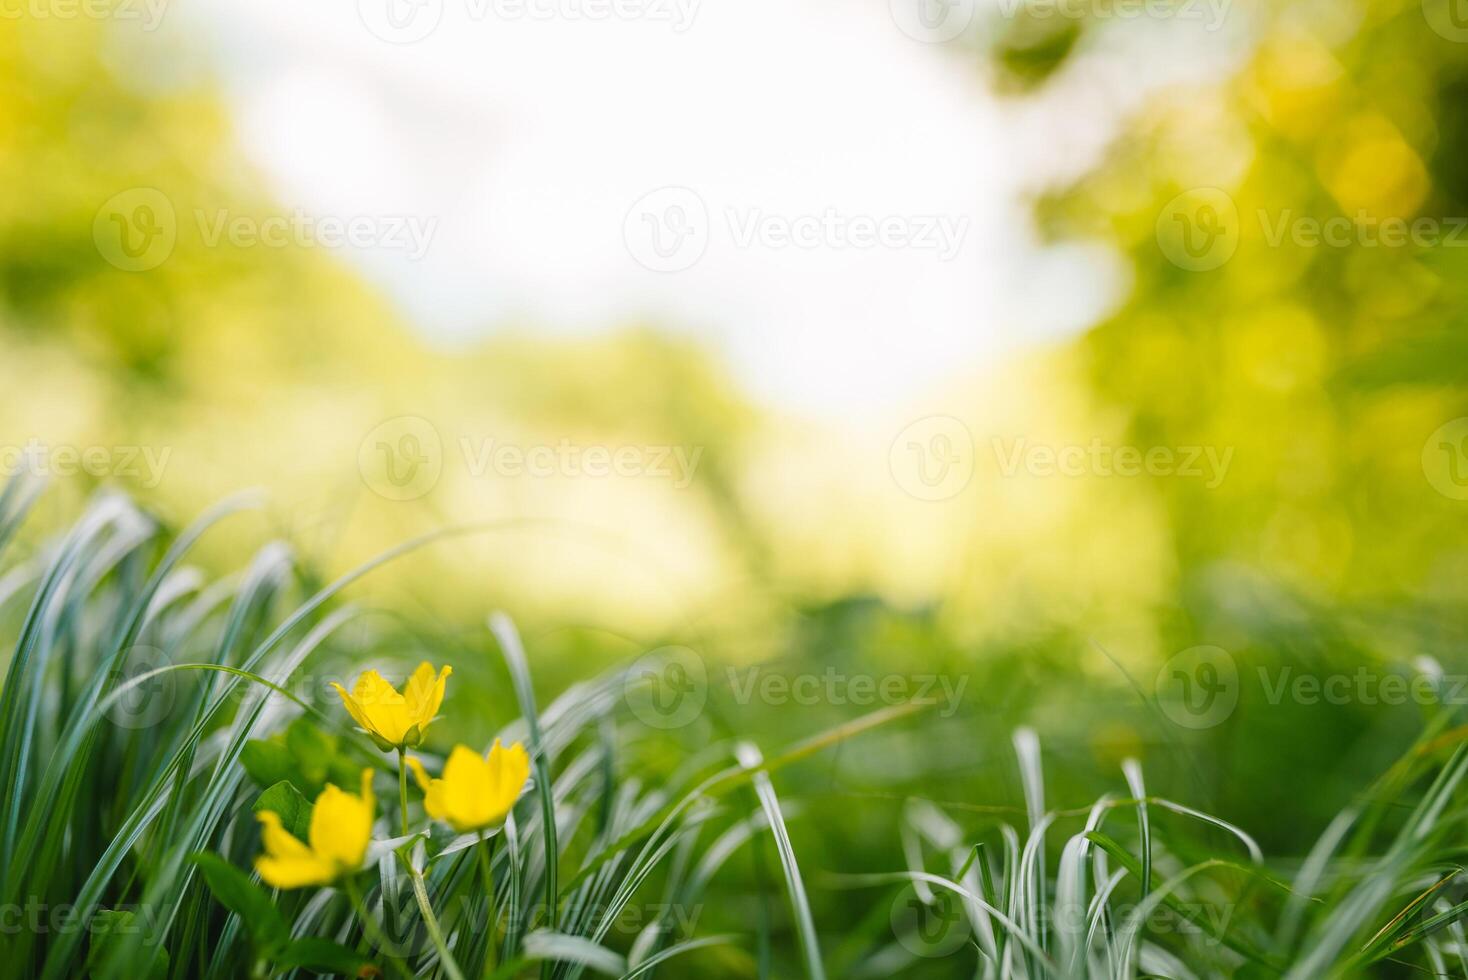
[(1027, 344)]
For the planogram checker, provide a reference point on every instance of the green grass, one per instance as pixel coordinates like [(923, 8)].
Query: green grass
[(148, 709)]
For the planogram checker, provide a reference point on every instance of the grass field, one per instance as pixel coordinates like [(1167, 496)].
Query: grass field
[(149, 712)]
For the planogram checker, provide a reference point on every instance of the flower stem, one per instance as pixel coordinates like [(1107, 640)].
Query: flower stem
[(486, 868), (403, 787), (420, 892)]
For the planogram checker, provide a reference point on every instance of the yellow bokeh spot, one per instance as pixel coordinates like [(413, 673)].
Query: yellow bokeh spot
[(1372, 172)]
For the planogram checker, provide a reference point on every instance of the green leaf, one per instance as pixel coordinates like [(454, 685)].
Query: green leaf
[(267, 761), (312, 750), (542, 944), (236, 892), (439, 837), (322, 956), (287, 802), (344, 772), (119, 949), (752, 761)]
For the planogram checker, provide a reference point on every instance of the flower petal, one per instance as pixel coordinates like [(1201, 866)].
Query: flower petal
[(466, 788), (368, 799), (278, 841), (351, 705), (424, 693), (433, 802), (372, 690), (419, 773), (294, 872), (509, 769), (341, 827), (382, 710)]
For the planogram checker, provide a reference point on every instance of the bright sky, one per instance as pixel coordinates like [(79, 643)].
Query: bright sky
[(847, 222)]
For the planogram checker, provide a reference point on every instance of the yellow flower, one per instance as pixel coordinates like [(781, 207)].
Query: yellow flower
[(341, 827), (475, 791), (395, 720)]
